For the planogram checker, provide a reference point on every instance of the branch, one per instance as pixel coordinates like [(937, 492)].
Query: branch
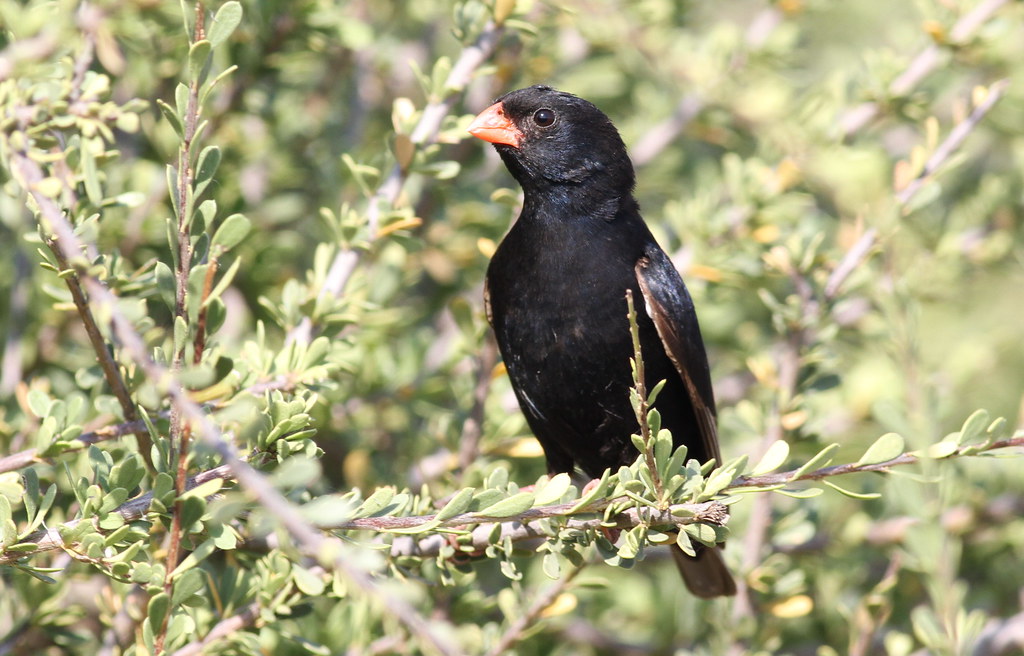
[(28, 457), (641, 402), (105, 356), (518, 628), (50, 540), (425, 132), (910, 458), (922, 65), (180, 431), (952, 142), (246, 617)]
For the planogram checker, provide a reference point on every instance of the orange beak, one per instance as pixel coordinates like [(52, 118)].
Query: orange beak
[(492, 125)]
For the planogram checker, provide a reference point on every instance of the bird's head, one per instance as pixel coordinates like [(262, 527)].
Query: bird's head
[(550, 138)]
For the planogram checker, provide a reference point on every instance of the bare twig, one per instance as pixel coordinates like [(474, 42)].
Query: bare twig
[(425, 132), (956, 137), (105, 357), (472, 428), (922, 65), (245, 617), (853, 258), (11, 360), (515, 632)]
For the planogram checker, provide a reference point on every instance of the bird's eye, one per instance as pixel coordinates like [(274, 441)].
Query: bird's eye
[(544, 118)]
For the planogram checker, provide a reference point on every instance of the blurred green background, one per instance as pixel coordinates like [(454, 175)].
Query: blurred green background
[(755, 175)]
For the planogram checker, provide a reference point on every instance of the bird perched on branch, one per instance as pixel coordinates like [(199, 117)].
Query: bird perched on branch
[(556, 297)]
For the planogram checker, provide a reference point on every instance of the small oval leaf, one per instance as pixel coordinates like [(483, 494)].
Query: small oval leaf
[(885, 448), (231, 232), (457, 505), (224, 23), (513, 505), (772, 459), (553, 490)]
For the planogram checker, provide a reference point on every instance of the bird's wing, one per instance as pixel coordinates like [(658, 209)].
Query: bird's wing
[(670, 307)]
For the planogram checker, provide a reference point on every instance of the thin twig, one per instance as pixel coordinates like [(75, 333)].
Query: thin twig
[(851, 260), (104, 355), (49, 539), (472, 428), (952, 142), (515, 632), (920, 67), (16, 461), (244, 618), (425, 132), (181, 431), (642, 408)]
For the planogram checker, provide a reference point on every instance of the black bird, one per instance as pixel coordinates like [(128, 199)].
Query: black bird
[(555, 296)]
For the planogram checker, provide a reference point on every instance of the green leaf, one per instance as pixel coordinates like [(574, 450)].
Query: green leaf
[(159, 606), (90, 175), (598, 491), (199, 554), (192, 508), (204, 490), (974, 426), (206, 168), (172, 118), (39, 403), (180, 334), (701, 532), (806, 493), (187, 584), (8, 529), (884, 449), (308, 582), (820, 460), (943, 449), (165, 284), (513, 505), (772, 459), (716, 482), (225, 21), (199, 61), (376, 502), (458, 504), (223, 282), (329, 510), (850, 493), (553, 490), (231, 232)]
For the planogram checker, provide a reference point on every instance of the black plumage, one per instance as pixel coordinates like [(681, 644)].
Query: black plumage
[(555, 295)]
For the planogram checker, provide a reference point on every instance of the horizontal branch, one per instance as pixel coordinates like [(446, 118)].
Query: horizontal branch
[(50, 539), (21, 459), (525, 526), (772, 480)]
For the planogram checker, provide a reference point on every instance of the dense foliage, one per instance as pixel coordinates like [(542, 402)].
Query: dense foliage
[(249, 402)]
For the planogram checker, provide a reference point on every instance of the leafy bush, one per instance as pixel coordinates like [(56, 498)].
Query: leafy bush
[(249, 401)]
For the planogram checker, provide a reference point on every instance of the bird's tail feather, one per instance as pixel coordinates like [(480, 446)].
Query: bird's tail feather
[(705, 574)]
